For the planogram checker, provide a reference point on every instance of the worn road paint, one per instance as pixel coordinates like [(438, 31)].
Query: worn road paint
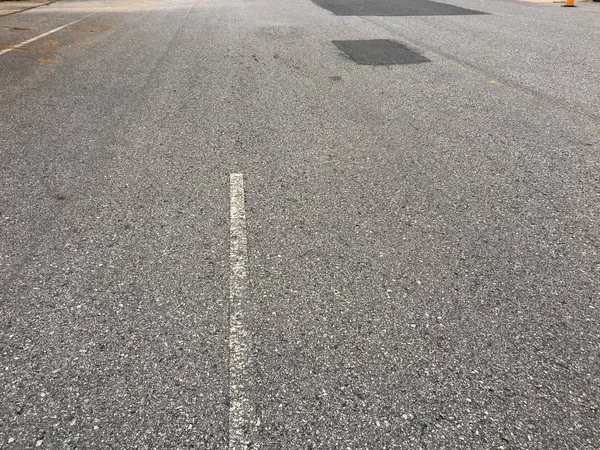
[(241, 412), (29, 41)]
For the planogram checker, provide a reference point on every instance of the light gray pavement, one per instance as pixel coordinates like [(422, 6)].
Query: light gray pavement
[(13, 7), (423, 239)]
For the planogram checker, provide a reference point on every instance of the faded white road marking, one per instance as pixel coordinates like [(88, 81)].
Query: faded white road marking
[(29, 41), (241, 411)]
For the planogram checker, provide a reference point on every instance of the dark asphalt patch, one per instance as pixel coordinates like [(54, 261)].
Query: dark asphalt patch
[(393, 8), (379, 52)]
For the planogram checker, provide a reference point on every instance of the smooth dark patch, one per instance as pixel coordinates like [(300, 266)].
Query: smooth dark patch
[(393, 8), (379, 52)]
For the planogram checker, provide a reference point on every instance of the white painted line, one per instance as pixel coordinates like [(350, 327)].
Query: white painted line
[(29, 41), (241, 411)]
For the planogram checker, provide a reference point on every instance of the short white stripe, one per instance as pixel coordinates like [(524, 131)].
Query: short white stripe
[(241, 410)]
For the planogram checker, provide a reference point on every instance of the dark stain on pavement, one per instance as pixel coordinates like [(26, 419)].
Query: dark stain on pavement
[(15, 28), (393, 8), (379, 52)]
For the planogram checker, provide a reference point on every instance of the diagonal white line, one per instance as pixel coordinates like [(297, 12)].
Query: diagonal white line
[(28, 41)]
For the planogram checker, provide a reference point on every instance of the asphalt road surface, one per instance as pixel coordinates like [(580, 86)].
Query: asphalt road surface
[(285, 224)]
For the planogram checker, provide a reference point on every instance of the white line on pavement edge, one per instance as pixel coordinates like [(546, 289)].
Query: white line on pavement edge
[(240, 409), (28, 41)]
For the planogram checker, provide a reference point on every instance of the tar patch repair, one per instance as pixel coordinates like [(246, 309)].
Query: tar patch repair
[(379, 52), (393, 8)]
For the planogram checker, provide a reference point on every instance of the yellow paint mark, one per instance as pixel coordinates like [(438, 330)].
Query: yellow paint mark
[(44, 46), (53, 42), (46, 62)]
